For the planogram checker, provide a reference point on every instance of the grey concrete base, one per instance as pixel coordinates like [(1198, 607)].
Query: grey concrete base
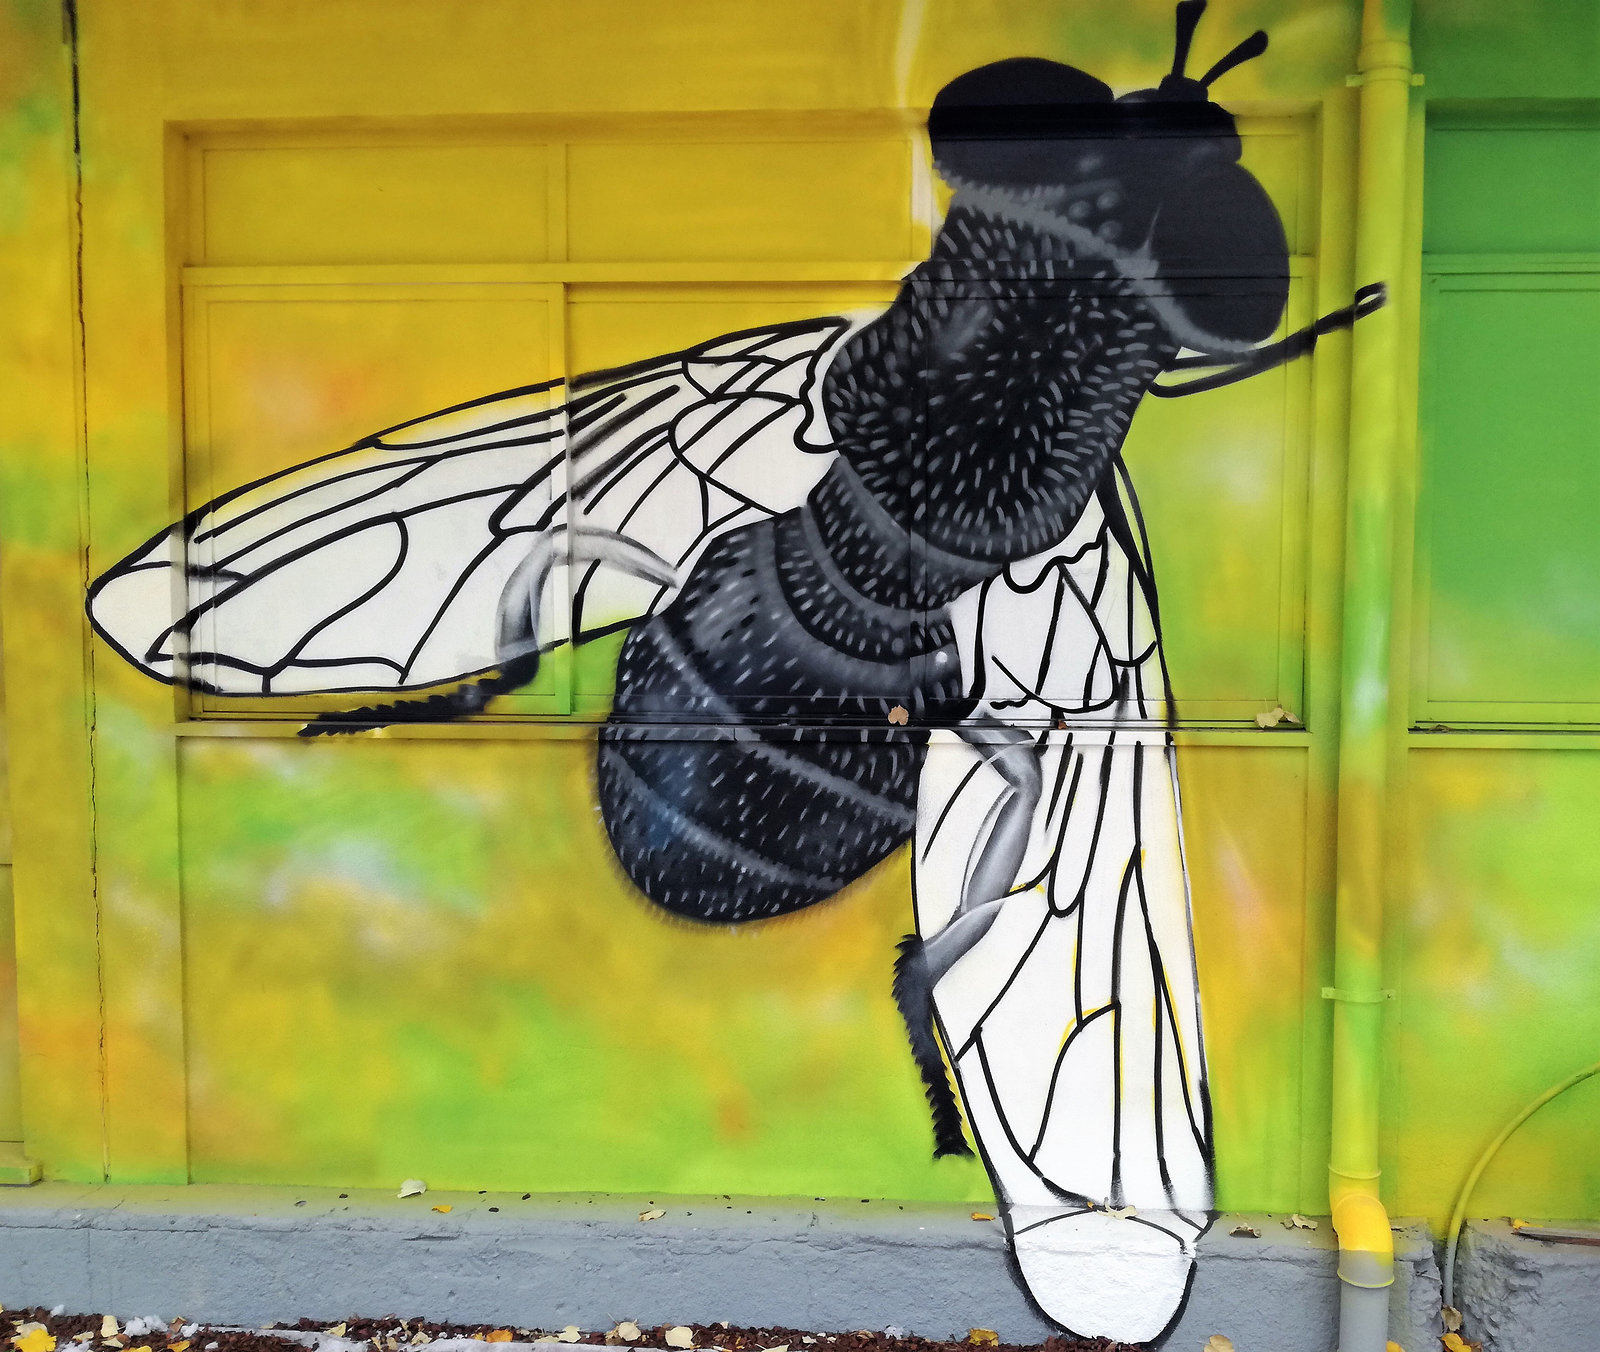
[(247, 1256), (1525, 1295)]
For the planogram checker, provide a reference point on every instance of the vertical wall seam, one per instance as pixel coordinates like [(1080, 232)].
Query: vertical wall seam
[(69, 18)]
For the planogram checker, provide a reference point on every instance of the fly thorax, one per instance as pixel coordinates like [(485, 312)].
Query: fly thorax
[(981, 411)]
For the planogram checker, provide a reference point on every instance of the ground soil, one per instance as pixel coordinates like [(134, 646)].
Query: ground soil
[(68, 1330)]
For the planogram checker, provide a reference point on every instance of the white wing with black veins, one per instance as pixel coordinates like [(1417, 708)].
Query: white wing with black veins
[(383, 566), (1073, 1024)]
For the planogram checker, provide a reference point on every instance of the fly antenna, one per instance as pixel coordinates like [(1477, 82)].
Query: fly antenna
[(1189, 12), (1247, 50)]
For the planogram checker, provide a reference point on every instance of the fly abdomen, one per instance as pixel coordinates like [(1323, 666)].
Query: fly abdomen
[(727, 831), (754, 813)]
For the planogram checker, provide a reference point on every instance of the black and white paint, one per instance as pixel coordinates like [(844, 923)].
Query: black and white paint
[(885, 581)]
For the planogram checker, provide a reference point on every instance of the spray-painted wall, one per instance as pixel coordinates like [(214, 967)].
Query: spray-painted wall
[(248, 957)]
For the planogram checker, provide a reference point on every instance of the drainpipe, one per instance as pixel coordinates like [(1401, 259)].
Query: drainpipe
[(1366, 1245)]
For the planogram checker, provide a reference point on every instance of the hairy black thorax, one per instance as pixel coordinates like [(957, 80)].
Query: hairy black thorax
[(977, 416)]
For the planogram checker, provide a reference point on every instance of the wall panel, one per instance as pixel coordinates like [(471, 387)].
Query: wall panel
[(1501, 942)]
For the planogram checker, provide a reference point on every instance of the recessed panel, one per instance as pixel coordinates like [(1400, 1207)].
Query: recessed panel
[(1512, 189), (420, 959), (1244, 814), (739, 200), (373, 203), (1221, 478), (1512, 608), (1500, 942), (386, 554)]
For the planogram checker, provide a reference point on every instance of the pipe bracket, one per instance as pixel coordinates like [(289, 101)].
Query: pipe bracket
[(1356, 997)]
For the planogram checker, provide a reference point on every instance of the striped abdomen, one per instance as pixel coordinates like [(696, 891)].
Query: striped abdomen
[(737, 806)]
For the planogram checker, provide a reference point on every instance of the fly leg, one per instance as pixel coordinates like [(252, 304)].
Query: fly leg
[(1011, 753), (517, 645)]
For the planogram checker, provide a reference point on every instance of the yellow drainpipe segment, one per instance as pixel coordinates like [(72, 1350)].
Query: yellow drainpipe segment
[(1366, 1245)]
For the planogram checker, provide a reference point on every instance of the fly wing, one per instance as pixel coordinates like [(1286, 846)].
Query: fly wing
[(1073, 1025), (383, 566), (673, 454)]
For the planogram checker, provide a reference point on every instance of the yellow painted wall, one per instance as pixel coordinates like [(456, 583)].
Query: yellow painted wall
[(412, 956)]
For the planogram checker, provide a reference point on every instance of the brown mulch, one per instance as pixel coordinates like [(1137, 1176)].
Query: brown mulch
[(67, 1327)]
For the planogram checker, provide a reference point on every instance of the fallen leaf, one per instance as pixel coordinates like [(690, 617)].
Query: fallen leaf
[(680, 1335), (1452, 1319), (421, 1336), (1274, 717), (108, 1326), (444, 1208), (499, 1336), (570, 1334), (179, 1346), (337, 1331), (1245, 1231), (32, 1337), (1299, 1222), (413, 1187), (1392, 1346), (1217, 1343), (899, 715), (983, 1337), (628, 1331), (982, 1216), (1122, 1213), (1454, 1342), (780, 1347), (651, 1215)]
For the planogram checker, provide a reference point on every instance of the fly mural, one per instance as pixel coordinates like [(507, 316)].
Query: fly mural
[(884, 581)]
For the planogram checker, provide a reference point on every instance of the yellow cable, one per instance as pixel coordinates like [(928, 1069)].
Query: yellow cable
[(1459, 1214)]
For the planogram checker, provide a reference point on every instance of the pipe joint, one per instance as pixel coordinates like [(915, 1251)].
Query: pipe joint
[(1366, 1243), (1385, 58)]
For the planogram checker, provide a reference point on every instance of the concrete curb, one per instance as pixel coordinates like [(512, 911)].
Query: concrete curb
[(1526, 1295), (252, 1255)]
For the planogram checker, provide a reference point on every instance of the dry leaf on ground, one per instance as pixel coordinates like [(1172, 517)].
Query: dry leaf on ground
[(1218, 1343), (32, 1337), (499, 1336), (570, 1334), (1452, 1319), (628, 1331), (983, 1337), (680, 1335), (653, 1215), (1299, 1222), (982, 1216), (1245, 1231), (412, 1187), (444, 1208)]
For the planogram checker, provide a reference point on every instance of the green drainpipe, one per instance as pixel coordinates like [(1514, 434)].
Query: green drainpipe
[(1366, 1245)]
